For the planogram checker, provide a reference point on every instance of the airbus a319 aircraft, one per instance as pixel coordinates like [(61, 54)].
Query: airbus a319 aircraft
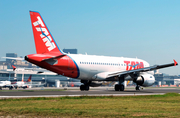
[(90, 69)]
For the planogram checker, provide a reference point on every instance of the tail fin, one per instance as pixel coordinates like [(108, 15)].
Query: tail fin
[(14, 67), (29, 79), (44, 41)]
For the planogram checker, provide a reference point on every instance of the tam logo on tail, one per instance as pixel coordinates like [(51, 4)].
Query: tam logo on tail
[(46, 39), (43, 39)]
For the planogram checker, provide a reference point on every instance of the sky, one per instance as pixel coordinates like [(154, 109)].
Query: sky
[(146, 29)]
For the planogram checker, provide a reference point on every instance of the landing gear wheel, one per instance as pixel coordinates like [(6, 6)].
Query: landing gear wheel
[(137, 87), (87, 88), (10, 88), (121, 87), (84, 88), (116, 87)]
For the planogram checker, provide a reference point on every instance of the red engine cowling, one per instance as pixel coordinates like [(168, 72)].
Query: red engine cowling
[(145, 80)]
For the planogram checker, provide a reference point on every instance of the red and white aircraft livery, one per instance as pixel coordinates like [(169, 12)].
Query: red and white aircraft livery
[(90, 69)]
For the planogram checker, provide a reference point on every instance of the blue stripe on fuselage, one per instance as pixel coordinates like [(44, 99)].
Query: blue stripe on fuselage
[(76, 66)]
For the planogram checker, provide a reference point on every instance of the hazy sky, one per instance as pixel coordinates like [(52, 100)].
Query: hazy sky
[(146, 29)]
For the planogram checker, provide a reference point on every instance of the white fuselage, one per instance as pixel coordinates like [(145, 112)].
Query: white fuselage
[(4, 83), (90, 65), (19, 84)]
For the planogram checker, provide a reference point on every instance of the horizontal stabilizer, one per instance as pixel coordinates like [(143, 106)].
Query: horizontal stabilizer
[(56, 57)]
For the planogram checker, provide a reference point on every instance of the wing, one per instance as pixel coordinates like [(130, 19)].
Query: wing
[(15, 58), (110, 75)]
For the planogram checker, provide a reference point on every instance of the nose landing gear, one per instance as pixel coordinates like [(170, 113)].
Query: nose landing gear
[(138, 88)]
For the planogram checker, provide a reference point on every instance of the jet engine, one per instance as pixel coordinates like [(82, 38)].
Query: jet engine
[(145, 80)]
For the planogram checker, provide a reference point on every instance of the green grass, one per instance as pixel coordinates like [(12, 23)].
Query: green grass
[(167, 105)]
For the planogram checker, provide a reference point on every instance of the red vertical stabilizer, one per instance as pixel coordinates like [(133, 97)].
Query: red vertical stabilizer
[(29, 79), (44, 41)]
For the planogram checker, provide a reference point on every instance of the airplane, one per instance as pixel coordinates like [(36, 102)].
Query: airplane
[(22, 84), (90, 69), (6, 84)]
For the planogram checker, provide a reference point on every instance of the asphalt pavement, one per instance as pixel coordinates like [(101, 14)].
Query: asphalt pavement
[(74, 91)]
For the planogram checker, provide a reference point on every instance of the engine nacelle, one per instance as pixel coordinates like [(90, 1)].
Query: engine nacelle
[(145, 80)]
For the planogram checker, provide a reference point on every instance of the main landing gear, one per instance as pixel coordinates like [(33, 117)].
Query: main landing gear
[(120, 86), (84, 87)]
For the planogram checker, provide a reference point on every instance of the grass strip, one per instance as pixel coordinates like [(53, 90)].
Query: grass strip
[(167, 105)]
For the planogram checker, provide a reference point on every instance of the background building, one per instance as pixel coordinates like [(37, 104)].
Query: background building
[(70, 51)]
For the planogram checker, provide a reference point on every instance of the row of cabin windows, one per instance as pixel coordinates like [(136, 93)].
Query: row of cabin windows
[(96, 63)]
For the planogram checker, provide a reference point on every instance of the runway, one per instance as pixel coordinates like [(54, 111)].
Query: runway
[(99, 91)]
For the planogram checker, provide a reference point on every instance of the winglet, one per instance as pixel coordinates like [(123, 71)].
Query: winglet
[(175, 62)]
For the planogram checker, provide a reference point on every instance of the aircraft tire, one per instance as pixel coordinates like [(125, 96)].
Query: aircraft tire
[(137, 87), (10, 88), (117, 87), (82, 87), (121, 87), (87, 88)]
